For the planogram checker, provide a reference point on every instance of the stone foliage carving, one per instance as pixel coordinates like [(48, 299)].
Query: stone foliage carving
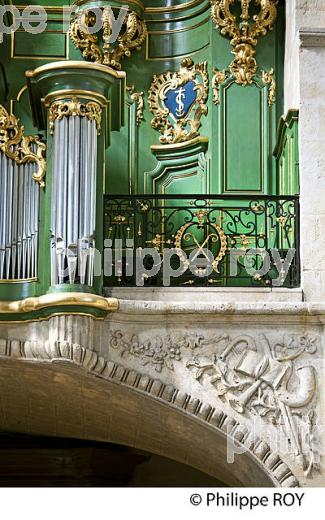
[(159, 352)]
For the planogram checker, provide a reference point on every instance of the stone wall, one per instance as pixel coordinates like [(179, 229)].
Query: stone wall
[(304, 89)]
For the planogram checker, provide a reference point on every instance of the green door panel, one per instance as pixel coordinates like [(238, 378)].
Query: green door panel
[(180, 169), (45, 45), (243, 138)]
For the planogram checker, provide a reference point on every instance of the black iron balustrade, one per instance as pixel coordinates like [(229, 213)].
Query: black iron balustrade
[(236, 240)]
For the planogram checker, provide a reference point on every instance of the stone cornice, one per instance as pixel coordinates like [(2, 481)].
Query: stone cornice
[(312, 37), (282, 310)]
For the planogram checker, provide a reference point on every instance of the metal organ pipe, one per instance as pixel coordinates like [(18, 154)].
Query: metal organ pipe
[(73, 215), (19, 213)]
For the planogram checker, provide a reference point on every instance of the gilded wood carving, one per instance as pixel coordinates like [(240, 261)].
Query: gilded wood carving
[(178, 101), (243, 32), (20, 148), (74, 107), (132, 36)]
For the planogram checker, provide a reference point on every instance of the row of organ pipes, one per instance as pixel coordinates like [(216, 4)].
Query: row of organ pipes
[(19, 220), (73, 208), (73, 216)]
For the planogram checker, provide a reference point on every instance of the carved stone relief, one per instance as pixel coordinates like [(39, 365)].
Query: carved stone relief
[(159, 351), (264, 379), (272, 380)]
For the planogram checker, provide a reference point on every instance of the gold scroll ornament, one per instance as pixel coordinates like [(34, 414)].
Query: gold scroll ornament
[(20, 148)]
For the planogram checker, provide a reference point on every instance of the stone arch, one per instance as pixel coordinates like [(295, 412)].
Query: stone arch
[(65, 381)]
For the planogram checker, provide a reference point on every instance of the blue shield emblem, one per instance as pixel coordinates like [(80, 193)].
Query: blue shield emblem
[(180, 100)]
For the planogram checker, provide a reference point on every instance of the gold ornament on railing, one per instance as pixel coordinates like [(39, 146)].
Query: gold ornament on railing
[(74, 107), (20, 148), (244, 32), (131, 37)]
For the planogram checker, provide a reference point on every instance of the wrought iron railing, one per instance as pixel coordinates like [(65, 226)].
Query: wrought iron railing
[(239, 241)]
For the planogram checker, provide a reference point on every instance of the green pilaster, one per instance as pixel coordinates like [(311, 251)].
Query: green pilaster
[(286, 153)]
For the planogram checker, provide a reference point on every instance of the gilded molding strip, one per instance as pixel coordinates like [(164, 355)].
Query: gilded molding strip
[(74, 65), (89, 95), (73, 107), (149, 57), (180, 146), (59, 300), (163, 9), (135, 109), (171, 9), (180, 30), (18, 147), (187, 15), (220, 76), (243, 34), (134, 2), (268, 79), (18, 280)]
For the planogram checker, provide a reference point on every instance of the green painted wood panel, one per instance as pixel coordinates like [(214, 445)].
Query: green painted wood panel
[(45, 45), (171, 45), (242, 140)]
